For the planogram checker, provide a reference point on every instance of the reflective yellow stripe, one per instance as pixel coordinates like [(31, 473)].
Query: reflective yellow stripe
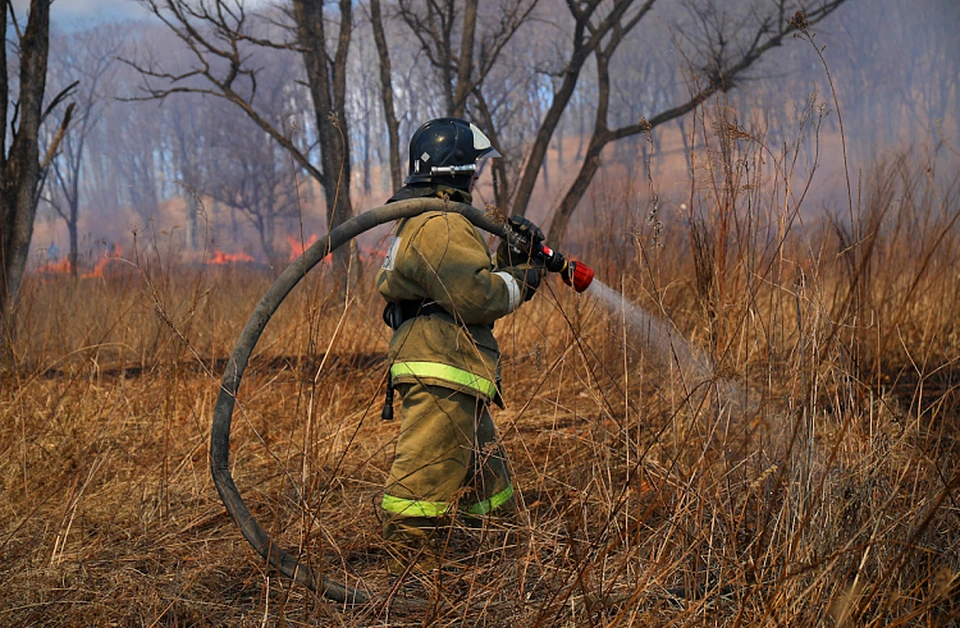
[(415, 508), (445, 372), (493, 503)]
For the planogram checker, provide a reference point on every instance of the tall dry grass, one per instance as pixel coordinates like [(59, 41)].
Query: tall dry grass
[(812, 480)]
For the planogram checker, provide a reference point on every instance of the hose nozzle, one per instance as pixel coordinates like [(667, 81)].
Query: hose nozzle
[(527, 239), (578, 275), (575, 274)]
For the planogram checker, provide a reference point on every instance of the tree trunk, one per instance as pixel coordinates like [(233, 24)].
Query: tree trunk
[(687, 148), (589, 167), (365, 166), (501, 184), (546, 173), (465, 62), (73, 256), (20, 174), (386, 91), (328, 90), (191, 228), (559, 142), (550, 121), (267, 231)]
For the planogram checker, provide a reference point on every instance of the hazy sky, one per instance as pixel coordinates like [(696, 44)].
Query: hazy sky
[(65, 11)]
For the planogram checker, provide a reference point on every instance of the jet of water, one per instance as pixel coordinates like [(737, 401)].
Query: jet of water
[(663, 342), (665, 345)]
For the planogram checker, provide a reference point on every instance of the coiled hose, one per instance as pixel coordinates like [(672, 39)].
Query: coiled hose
[(277, 557)]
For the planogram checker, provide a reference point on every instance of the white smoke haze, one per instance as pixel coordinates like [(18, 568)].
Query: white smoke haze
[(169, 164)]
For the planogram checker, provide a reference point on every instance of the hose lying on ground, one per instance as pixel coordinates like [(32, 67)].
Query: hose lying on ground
[(277, 557)]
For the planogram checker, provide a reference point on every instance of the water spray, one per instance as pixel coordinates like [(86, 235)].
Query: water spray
[(663, 341)]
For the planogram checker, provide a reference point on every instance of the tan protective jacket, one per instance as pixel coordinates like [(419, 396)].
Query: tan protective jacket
[(441, 257)]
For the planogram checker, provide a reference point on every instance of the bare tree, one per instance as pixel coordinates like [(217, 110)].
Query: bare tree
[(434, 22), (252, 174), (724, 48), (135, 155), (222, 37), (21, 169), (255, 180), (593, 21), (463, 58), (510, 103), (386, 93), (327, 79), (82, 58), (187, 126)]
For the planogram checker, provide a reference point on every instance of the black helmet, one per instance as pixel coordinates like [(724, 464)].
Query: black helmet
[(446, 150)]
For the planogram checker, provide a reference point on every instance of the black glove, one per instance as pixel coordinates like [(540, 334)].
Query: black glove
[(530, 237), (528, 277)]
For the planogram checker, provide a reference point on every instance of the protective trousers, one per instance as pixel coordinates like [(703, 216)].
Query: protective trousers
[(448, 466)]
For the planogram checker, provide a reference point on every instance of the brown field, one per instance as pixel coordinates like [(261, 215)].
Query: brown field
[(812, 481)]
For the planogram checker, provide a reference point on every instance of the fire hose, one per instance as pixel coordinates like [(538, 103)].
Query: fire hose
[(577, 275)]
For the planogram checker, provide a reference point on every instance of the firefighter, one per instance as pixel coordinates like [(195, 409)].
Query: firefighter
[(443, 294)]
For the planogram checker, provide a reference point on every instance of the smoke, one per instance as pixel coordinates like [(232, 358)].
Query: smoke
[(144, 161)]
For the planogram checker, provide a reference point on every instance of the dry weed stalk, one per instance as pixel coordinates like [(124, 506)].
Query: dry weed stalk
[(822, 490)]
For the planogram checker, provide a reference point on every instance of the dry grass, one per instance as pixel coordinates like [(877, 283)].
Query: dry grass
[(820, 489)]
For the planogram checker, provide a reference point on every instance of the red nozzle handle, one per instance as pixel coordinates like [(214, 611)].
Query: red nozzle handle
[(578, 275)]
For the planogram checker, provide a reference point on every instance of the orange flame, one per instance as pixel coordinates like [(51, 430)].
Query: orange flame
[(297, 248), (102, 263), (228, 258), (55, 267), (371, 253)]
